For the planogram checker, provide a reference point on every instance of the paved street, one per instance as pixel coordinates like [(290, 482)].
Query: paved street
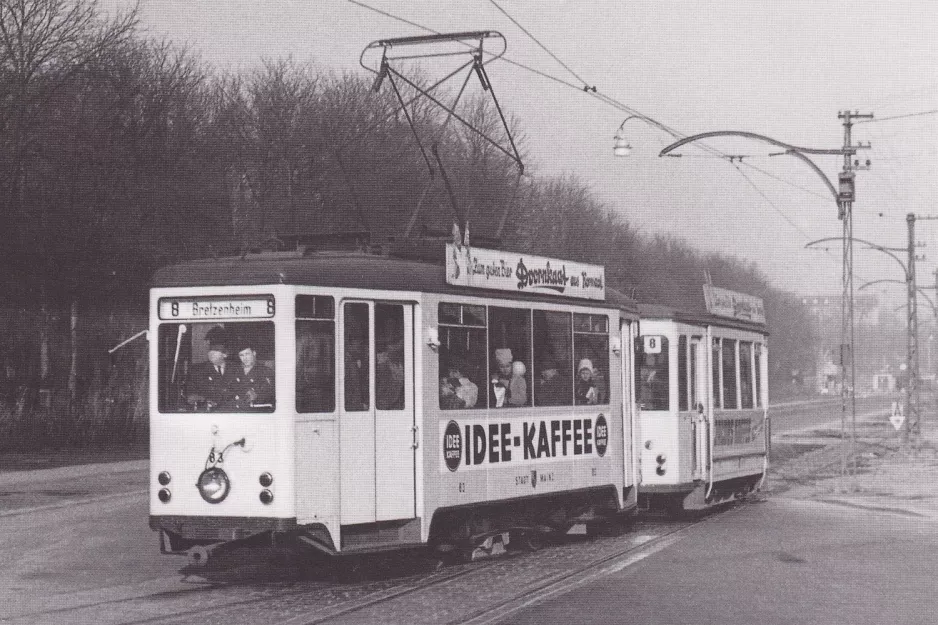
[(809, 553), (782, 561)]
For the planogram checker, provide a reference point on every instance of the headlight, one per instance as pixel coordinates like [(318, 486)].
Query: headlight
[(213, 485)]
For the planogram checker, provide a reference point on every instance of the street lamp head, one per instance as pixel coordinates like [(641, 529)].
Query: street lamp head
[(622, 147)]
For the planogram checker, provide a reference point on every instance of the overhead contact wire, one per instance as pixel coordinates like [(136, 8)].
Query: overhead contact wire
[(608, 100)]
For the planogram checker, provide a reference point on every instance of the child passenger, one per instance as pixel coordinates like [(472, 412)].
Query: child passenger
[(517, 387), (585, 386)]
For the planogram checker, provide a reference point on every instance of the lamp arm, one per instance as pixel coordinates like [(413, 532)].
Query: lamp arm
[(791, 149)]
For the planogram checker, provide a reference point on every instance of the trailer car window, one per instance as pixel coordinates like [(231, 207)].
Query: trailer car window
[(653, 377), (730, 401), (745, 374)]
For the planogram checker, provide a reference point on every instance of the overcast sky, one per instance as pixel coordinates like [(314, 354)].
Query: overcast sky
[(782, 69)]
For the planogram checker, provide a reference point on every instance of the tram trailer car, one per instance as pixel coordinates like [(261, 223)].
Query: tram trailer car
[(393, 403), (701, 380)]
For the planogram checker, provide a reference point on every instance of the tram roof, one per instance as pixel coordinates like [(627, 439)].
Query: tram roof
[(346, 270), (659, 311)]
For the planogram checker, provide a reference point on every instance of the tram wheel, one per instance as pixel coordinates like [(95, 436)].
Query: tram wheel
[(198, 556), (531, 540)]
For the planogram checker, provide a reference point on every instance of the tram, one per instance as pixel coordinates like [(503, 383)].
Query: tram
[(357, 402), (702, 385)]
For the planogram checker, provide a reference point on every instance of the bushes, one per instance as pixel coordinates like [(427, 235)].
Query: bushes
[(109, 408)]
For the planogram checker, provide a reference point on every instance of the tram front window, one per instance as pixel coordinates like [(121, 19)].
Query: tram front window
[(214, 367), (653, 381)]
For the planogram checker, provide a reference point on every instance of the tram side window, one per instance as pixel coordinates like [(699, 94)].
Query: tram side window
[(729, 374), (716, 368), (695, 393), (682, 372), (463, 356), (216, 367), (509, 357), (591, 355), (315, 353), (758, 366), (553, 358), (357, 370), (745, 374), (653, 373)]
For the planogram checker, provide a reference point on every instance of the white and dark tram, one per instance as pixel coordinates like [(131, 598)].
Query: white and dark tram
[(701, 381), (357, 402)]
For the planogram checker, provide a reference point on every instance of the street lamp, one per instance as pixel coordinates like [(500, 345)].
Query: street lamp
[(622, 146), (844, 199)]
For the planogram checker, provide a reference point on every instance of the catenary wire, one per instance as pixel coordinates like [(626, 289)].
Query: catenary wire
[(541, 45), (891, 117), (610, 101)]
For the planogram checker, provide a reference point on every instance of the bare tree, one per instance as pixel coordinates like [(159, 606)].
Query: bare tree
[(42, 44)]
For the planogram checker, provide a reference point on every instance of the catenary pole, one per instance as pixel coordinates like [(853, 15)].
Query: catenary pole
[(912, 412)]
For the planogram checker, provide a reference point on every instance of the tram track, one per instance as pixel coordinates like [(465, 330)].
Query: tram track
[(522, 595), (322, 602), (298, 589)]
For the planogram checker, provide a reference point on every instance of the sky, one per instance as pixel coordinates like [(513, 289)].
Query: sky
[(779, 69)]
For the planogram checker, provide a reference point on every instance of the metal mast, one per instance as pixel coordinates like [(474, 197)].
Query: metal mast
[(847, 327)]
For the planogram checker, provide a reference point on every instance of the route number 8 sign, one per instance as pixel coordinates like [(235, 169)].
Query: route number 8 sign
[(652, 344)]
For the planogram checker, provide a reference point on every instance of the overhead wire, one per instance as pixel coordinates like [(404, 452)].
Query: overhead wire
[(541, 45), (772, 204), (876, 120), (606, 99)]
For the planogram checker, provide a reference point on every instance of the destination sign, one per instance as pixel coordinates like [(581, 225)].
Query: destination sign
[(211, 308), (726, 303), (523, 273)]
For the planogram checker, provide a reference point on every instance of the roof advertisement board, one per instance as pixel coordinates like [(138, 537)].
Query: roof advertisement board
[(726, 303), (523, 273)]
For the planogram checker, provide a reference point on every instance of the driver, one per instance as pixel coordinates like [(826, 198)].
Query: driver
[(252, 386), (208, 382)]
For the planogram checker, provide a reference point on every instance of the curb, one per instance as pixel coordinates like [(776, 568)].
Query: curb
[(867, 416), (71, 503), (71, 472)]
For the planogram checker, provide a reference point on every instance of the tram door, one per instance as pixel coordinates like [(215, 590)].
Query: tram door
[(698, 401), (377, 421)]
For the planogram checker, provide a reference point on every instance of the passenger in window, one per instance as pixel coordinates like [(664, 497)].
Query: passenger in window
[(253, 384), (456, 390), (653, 394), (517, 386), (389, 378), (208, 382), (501, 378), (586, 392), (550, 389)]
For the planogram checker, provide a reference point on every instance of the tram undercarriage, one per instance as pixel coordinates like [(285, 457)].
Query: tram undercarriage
[(463, 533), (677, 498)]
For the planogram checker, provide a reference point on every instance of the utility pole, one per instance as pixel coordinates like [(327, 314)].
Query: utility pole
[(912, 410), (845, 200)]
